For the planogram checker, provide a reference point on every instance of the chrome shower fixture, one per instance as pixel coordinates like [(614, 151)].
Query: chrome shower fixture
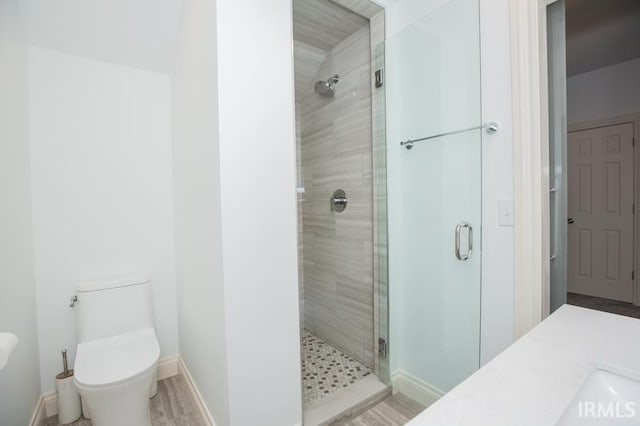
[(326, 88)]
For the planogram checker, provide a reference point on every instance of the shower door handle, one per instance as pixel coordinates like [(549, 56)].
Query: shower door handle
[(459, 228)]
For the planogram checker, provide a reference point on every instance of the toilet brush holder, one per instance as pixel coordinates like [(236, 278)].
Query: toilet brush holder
[(69, 408)]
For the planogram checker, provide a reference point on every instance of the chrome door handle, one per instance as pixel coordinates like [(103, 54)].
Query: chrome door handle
[(459, 228)]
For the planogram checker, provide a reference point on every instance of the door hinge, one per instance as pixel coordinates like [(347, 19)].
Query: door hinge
[(382, 348), (379, 80)]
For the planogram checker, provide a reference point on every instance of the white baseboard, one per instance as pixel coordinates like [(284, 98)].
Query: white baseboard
[(48, 402), (168, 367), (39, 414), (195, 394), (416, 389)]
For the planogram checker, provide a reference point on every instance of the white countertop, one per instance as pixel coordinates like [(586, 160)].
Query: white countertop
[(533, 381)]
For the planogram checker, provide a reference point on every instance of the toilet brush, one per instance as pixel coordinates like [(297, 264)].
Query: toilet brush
[(69, 409)]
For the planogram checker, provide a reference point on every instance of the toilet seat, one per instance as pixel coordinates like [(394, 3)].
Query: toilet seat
[(116, 359)]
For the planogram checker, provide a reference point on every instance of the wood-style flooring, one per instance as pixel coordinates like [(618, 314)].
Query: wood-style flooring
[(396, 410), (605, 305), (172, 406)]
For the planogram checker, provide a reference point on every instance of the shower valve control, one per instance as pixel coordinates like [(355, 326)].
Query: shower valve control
[(338, 201)]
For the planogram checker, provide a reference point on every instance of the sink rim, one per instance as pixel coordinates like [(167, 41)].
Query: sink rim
[(616, 370)]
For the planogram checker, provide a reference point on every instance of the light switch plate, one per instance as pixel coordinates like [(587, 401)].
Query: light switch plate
[(505, 213)]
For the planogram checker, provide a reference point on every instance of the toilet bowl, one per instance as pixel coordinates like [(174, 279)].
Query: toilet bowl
[(118, 351), (114, 377)]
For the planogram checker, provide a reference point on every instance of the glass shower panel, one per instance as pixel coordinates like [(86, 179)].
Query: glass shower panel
[(434, 195), (557, 77)]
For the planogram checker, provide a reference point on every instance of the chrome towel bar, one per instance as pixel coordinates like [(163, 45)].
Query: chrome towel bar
[(491, 128)]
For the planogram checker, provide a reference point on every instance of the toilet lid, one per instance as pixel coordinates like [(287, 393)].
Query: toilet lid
[(116, 359)]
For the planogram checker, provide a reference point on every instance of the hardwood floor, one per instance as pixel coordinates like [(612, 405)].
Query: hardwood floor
[(172, 406), (605, 305), (396, 410)]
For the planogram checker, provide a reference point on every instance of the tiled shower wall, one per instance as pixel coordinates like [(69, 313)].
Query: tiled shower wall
[(338, 247)]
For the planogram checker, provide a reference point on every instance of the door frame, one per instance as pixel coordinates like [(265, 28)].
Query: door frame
[(530, 103), (613, 121)]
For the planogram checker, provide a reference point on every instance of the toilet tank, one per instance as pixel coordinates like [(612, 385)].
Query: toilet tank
[(113, 306)]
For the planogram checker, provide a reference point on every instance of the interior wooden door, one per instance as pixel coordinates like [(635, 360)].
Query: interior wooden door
[(600, 223)]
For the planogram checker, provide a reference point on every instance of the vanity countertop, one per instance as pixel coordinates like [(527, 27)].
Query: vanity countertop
[(533, 381)]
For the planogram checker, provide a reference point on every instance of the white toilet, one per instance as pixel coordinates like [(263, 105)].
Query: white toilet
[(117, 356)]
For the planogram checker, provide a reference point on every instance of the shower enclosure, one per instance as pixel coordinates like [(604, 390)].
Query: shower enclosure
[(389, 147), (338, 219)]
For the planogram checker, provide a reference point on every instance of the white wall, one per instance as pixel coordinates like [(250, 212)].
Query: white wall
[(497, 172), (604, 93), (101, 189), (235, 210), (497, 181), (20, 380), (258, 183), (140, 33), (197, 204)]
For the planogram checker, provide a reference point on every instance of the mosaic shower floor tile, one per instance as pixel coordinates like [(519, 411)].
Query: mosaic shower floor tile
[(326, 369)]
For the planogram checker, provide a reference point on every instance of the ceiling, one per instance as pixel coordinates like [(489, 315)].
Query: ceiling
[(318, 26), (365, 8), (601, 33), (323, 24), (144, 33)]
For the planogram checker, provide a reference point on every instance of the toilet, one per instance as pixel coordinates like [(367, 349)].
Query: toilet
[(117, 355)]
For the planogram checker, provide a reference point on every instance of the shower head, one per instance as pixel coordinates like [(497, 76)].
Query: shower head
[(326, 88)]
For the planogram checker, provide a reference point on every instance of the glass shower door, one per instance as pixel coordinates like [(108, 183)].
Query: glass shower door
[(434, 196)]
